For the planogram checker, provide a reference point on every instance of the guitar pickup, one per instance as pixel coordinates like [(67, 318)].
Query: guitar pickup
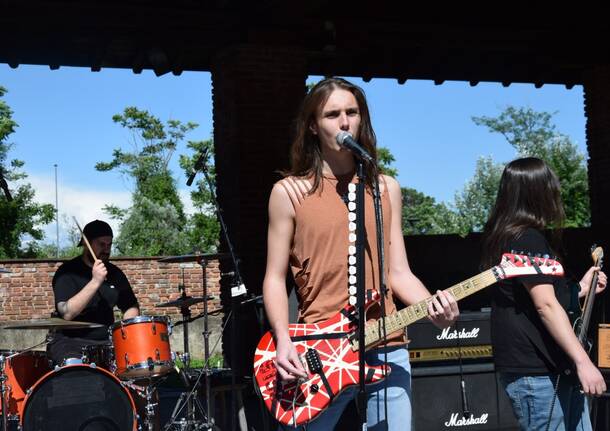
[(313, 361)]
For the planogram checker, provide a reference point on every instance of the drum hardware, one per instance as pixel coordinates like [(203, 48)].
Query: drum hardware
[(238, 287), (14, 386), (51, 324), (3, 392), (184, 302), (196, 257)]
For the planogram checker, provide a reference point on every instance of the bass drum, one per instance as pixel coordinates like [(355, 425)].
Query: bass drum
[(79, 398)]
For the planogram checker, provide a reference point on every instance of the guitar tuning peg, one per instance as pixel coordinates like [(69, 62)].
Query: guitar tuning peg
[(545, 255), (538, 255), (512, 251), (529, 254)]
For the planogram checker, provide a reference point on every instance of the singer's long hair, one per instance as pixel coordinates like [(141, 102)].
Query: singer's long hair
[(306, 154), (529, 196)]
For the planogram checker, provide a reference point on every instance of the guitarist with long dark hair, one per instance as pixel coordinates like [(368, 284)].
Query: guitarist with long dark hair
[(532, 338), (311, 232)]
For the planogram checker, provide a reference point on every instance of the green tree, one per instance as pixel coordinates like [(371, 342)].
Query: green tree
[(422, 215), (533, 134), (385, 159), (155, 224), (203, 226), (474, 202), (20, 216)]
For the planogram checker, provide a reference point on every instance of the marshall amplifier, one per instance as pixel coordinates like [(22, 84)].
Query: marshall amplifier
[(471, 329), (437, 399)]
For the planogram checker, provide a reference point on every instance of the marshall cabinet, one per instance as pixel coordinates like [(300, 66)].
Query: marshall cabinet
[(438, 403), (438, 399)]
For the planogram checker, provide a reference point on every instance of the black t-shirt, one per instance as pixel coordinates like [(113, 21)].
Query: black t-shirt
[(521, 343), (73, 275)]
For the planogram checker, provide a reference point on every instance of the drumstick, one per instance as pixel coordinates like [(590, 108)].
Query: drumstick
[(85, 239)]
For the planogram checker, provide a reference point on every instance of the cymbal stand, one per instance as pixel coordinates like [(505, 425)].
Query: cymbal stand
[(191, 401), (238, 288)]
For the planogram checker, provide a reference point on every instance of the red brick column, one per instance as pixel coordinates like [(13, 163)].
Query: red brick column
[(597, 111), (256, 94)]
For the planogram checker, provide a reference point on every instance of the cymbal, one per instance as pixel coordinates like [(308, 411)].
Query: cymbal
[(185, 302), (52, 323), (194, 257)]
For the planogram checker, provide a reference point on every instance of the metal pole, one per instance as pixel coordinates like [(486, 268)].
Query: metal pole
[(56, 214)]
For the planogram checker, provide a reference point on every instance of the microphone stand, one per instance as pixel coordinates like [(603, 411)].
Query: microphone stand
[(237, 290), (361, 292), (382, 280)]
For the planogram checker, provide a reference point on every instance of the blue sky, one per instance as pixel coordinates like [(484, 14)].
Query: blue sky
[(65, 117)]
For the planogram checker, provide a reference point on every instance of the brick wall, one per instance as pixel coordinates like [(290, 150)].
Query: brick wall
[(26, 292)]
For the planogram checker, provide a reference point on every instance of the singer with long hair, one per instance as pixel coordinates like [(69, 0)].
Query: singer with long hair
[(309, 234), (532, 337)]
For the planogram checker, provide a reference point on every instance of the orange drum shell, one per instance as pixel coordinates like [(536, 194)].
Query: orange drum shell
[(139, 341), (22, 373), (108, 373)]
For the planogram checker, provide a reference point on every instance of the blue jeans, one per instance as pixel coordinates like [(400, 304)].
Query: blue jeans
[(398, 385), (531, 397)]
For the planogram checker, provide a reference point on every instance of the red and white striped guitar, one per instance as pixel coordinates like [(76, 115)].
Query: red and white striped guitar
[(329, 349)]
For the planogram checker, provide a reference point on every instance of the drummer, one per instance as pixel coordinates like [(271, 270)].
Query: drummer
[(87, 290)]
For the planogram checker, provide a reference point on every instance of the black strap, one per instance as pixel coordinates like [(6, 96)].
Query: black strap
[(326, 385), (350, 316), (322, 336), (536, 267)]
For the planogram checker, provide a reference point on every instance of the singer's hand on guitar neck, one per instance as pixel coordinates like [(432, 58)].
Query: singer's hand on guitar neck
[(585, 283), (443, 309)]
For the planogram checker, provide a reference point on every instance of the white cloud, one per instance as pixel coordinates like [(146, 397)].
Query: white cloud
[(85, 204), (185, 197)]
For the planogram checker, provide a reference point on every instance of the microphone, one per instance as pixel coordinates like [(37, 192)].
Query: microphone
[(346, 140), (198, 165)]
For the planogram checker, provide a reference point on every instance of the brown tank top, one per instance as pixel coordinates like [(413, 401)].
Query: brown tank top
[(319, 251)]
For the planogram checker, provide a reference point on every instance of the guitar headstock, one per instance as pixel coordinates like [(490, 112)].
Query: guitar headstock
[(597, 254), (514, 265)]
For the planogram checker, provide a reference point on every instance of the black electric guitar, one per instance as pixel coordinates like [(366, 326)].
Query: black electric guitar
[(581, 325)]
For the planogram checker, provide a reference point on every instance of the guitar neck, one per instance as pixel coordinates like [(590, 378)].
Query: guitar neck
[(403, 318), (587, 311)]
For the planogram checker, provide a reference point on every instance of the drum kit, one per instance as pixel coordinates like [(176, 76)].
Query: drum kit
[(101, 389)]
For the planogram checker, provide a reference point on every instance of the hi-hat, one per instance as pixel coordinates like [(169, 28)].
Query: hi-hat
[(185, 302), (194, 257), (52, 323)]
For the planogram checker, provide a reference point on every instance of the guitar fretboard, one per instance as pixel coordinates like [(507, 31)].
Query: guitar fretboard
[(403, 318)]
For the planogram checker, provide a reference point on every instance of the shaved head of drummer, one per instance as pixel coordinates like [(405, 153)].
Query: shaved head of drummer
[(87, 288)]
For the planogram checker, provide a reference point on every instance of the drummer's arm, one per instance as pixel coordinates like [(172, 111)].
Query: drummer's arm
[(74, 306), (131, 312)]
